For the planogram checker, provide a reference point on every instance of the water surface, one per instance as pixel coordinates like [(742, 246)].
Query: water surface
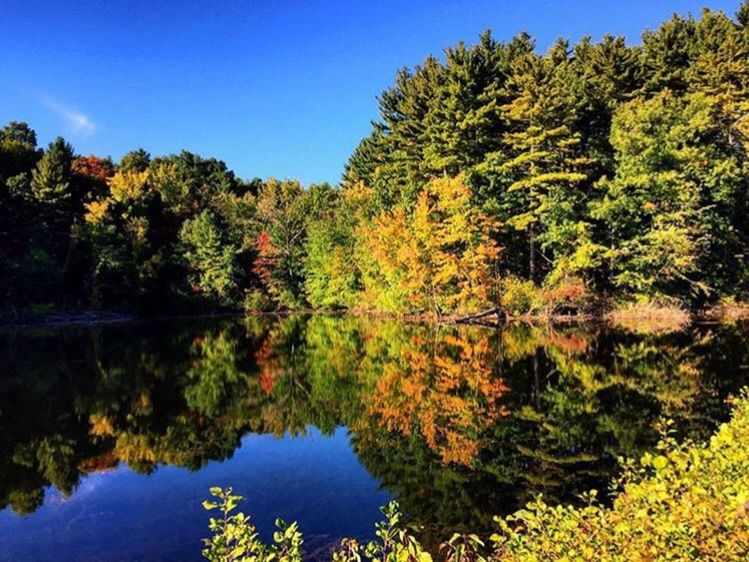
[(110, 436)]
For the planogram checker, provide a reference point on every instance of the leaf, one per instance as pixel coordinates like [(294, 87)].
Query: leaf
[(425, 557), (660, 462)]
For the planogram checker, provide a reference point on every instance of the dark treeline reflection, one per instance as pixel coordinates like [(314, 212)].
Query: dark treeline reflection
[(459, 423)]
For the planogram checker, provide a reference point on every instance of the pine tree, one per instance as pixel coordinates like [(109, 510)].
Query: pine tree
[(742, 14), (543, 160), (18, 157), (50, 183), (52, 244), (465, 124), (362, 165), (610, 73), (667, 54), (404, 111), (135, 161)]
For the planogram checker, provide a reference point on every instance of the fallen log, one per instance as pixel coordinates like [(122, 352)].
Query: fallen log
[(476, 317)]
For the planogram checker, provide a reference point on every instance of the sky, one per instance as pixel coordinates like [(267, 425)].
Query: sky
[(282, 88)]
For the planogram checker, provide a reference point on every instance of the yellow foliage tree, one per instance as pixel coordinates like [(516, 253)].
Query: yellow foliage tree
[(440, 258), (127, 186)]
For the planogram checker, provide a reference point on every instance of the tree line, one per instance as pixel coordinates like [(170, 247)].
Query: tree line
[(620, 169), (171, 233), (495, 175)]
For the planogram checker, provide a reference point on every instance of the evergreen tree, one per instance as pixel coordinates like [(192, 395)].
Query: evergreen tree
[(609, 73), (404, 109), (362, 165), (211, 260), (667, 54), (52, 242), (543, 164), (742, 14), (18, 156), (50, 183), (465, 124), (135, 161), (670, 207)]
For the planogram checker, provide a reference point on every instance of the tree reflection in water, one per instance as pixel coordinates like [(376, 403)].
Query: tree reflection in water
[(459, 423)]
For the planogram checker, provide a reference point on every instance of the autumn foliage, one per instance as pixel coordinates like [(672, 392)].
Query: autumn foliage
[(440, 258), (445, 390)]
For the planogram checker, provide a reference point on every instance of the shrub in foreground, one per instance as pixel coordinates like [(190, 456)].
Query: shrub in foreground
[(235, 537), (685, 501)]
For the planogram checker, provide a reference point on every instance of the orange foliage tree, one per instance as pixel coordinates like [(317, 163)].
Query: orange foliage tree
[(93, 167), (440, 258), (267, 258)]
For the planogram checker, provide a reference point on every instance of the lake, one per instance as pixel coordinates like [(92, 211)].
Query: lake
[(110, 436)]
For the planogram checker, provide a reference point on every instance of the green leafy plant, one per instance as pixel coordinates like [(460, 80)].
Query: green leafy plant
[(463, 548), (683, 502), (519, 296), (235, 537), (394, 543)]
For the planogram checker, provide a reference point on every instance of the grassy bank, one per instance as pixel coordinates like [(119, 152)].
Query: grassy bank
[(685, 501)]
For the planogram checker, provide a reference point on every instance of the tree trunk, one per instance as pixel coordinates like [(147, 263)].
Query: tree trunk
[(532, 254), (536, 380), (66, 267)]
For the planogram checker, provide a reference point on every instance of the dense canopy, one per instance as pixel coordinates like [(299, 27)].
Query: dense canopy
[(495, 175)]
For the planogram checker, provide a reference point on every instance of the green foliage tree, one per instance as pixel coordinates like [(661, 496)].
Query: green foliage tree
[(53, 240), (18, 151), (283, 209), (332, 274), (135, 161), (670, 207), (18, 156), (667, 54), (742, 15), (211, 260), (50, 182)]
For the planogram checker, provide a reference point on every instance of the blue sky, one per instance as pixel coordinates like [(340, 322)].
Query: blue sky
[(274, 88)]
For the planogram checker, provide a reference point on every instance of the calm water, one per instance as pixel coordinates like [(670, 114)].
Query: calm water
[(111, 436)]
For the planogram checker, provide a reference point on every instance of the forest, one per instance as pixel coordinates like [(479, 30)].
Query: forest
[(594, 175)]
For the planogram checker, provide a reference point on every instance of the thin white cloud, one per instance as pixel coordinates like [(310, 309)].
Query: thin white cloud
[(78, 123)]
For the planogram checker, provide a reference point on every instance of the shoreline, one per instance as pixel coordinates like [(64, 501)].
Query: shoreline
[(82, 318), (631, 318)]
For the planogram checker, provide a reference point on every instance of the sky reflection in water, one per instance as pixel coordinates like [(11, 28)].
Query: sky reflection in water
[(112, 435)]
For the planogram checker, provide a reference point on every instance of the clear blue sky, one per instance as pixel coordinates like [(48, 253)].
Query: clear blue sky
[(274, 87)]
